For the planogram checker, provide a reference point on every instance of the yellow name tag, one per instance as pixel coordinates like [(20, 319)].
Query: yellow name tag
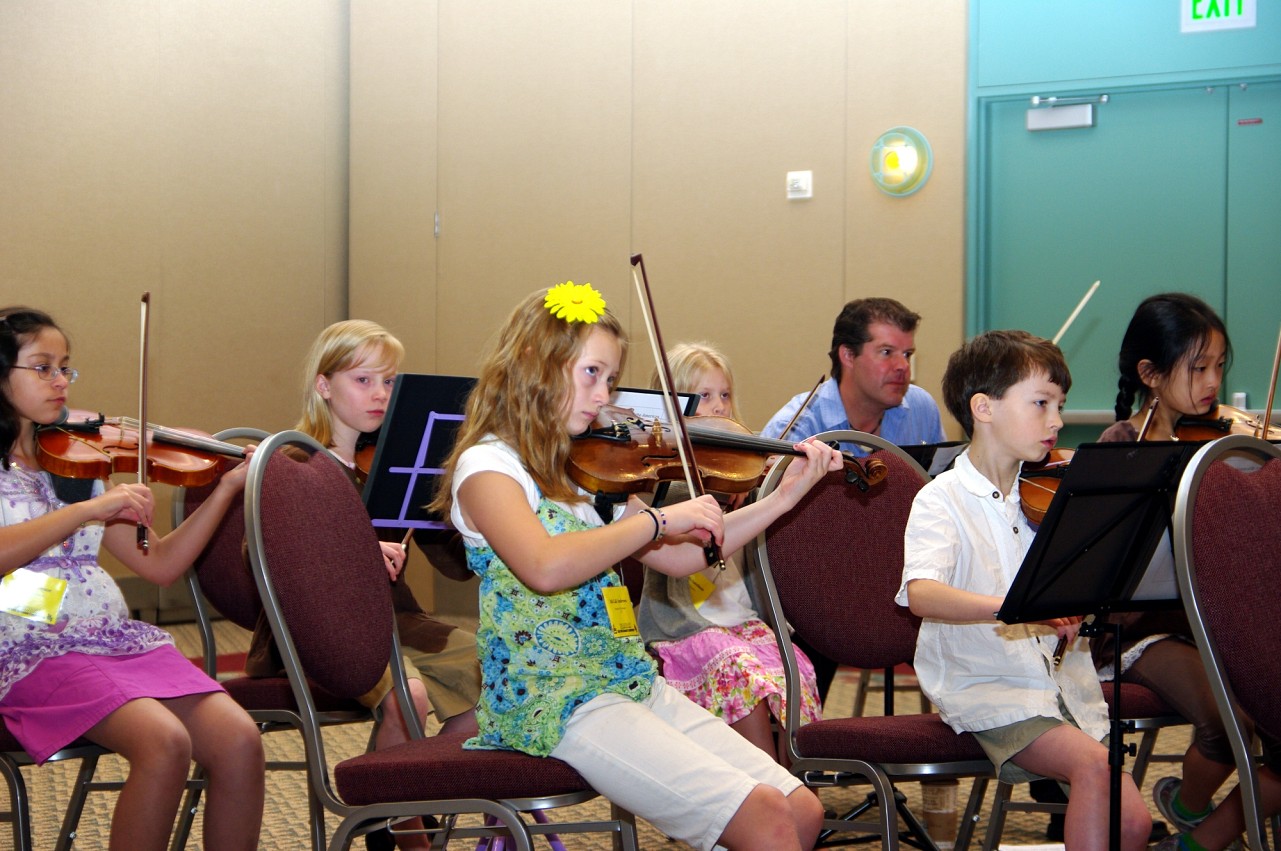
[(618, 605), (700, 588), (32, 595)]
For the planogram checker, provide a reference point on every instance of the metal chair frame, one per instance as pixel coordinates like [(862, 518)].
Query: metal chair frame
[(1261, 452), (361, 819)]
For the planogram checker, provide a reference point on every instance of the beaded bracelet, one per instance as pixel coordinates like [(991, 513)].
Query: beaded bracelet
[(660, 522)]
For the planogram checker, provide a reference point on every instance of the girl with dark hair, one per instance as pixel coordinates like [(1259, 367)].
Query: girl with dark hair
[(1174, 352), (72, 663), (1171, 362)]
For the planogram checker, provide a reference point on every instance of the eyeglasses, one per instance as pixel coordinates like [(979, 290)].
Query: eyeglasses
[(48, 372)]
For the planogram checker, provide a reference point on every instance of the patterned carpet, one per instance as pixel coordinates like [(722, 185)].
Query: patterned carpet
[(285, 822)]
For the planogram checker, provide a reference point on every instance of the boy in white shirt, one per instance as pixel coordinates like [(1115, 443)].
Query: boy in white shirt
[(965, 540)]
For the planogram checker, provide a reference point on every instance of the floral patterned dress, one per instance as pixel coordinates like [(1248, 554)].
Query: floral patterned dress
[(544, 655), (94, 618)]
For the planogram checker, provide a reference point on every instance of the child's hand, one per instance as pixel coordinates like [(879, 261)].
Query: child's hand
[(803, 473), (234, 479), (701, 517), (394, 558), (130, 503), (1065, 628)]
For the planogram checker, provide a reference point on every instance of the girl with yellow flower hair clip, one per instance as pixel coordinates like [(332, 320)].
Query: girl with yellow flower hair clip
[(565, 672)]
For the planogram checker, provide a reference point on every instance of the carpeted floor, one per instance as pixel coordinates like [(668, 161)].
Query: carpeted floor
[(285, 822)]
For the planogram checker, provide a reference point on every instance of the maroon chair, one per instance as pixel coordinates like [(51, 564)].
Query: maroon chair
[(220, 578), (320, 574), (1227, 550), (830, 568)]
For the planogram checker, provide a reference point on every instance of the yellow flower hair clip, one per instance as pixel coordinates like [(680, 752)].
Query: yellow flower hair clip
[(575, 302)]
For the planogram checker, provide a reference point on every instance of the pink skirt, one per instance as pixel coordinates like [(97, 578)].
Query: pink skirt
[(66, 695), (729, 670)]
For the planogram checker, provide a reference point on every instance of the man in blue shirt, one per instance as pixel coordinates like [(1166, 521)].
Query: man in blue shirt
[(870, 389)]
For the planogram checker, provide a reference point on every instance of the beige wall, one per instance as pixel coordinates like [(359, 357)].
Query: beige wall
[(244, 161), (567, 136)]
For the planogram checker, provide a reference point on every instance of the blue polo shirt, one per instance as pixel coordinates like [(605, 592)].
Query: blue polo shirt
[(914, 421)]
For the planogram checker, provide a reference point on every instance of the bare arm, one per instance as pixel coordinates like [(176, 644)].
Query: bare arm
[(170, 556), (21, 543), (494, 505), (681, 557), (929, 598)]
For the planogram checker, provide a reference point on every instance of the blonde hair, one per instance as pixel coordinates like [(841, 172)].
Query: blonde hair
[(521, 394), (689, 362), (342, 346)]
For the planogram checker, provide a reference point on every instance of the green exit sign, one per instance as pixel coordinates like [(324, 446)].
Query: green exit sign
[(1207, 15)]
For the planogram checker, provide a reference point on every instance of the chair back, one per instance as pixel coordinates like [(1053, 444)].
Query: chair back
[(836, 561), (324, 584), (220, 570), (1227, 546)]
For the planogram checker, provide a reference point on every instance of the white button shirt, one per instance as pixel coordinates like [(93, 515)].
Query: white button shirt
[(963, 533)]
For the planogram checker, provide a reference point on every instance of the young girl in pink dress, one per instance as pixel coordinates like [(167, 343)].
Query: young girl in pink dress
[(714, 646), (72, 663)]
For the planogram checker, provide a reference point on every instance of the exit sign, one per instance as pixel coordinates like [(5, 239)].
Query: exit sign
[(1206, 15)]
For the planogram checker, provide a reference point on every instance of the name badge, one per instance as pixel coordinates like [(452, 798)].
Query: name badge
[(618, 605), (700, 588), (32, 595)]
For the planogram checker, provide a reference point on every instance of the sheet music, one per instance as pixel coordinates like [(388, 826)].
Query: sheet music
[(649, 403), (1159, 581)]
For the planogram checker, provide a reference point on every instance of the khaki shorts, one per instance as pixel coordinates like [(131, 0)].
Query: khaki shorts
[(375, 695), (1001, 744), (452, 676)]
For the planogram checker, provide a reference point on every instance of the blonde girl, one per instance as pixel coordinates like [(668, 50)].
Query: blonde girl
[(565, 673), (706, 629)]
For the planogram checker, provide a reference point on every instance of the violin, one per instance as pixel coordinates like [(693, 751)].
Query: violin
[(1221, 421), (93, 447), (1039, 481), (632, 456)]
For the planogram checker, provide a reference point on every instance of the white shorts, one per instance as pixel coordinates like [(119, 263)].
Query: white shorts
[(669, 761)]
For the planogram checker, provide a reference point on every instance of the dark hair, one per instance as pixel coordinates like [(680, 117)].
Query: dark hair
[(1165, 329), (992, 363), (851, 326), (18, 325)]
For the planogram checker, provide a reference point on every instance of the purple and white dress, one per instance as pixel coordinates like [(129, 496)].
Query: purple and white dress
[(58, 680)]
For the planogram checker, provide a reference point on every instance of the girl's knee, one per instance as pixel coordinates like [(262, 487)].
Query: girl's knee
[(807, 810)]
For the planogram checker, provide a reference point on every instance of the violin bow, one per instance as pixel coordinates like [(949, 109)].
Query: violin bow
[(1072, 317), (1265, 416), (143, 543), (796, 416), (684, 446)]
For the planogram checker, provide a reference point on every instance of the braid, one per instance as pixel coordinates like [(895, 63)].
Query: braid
[(1124, 398)]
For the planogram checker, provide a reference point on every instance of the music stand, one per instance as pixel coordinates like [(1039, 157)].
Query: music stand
[(1103, 547), (418, 431), (422, 416), (935, 457)]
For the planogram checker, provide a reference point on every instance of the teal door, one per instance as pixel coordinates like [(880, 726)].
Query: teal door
[(1253, 237), (1138, 201)]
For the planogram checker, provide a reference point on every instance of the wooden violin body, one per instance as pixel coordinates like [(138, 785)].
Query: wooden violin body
[(632, 456), (89, 446), (1038, 482), (1222, 421)]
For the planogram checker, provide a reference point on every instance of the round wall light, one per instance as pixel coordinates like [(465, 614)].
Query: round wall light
[(901, 161)]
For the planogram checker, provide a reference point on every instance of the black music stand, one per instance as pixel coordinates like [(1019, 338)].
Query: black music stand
[(423, 416), (1103, 547)]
